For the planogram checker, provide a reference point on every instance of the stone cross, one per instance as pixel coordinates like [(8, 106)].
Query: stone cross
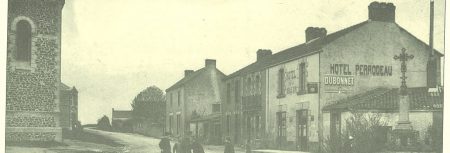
[(403, 121), (403, 57)]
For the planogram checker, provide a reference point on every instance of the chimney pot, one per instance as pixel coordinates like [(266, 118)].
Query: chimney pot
[(263, 53), (314, 32), (380, 11), (188, 72), (210, 63)]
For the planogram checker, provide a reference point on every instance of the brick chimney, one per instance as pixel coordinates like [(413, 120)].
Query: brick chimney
[(188, 72), (263, 53), (314, 32), (210, 63), (380, 11)]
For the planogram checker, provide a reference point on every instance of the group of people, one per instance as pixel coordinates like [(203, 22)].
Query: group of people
[(185, 145)]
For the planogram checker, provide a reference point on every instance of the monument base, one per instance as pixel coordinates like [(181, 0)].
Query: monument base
[(403, 125), (404, 135)]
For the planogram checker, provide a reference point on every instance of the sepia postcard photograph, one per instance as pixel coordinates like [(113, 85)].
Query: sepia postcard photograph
[(223, 76)]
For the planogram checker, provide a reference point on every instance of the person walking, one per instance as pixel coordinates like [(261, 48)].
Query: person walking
[(164, 144), (248, 148), (229, 148), (177, 146), (186, 145), (197, 147)]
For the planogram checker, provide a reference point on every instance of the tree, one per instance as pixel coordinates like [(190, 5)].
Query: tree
[(103, 123), (149, 104)]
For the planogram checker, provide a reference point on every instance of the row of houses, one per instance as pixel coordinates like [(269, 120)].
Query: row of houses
[(122, 121), (297, 97)]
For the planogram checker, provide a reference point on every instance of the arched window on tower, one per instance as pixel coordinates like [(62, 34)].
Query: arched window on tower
[(23, 41)]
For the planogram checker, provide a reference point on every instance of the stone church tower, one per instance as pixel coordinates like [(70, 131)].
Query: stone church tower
[(33, 72)]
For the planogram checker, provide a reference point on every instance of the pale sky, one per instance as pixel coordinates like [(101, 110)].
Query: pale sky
[(113, 49)]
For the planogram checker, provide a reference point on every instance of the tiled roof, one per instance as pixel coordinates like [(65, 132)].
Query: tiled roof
[(295, 52), (185, 79), (388, 99), (121, 114), (63, 86), (304, 49), (191, 76)]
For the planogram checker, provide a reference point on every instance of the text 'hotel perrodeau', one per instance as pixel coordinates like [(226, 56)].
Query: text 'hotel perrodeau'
[(278, 100)]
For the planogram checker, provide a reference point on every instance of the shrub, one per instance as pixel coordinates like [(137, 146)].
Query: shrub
[(364, 131), (103, 123)]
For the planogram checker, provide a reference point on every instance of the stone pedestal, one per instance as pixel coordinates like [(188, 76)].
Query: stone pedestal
[(403, 122), (403, 131)]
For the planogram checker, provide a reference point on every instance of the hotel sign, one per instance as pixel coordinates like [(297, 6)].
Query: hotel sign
[(363, 70), (341, 77)]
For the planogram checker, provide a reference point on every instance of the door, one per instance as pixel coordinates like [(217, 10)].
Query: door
[(281, 128), (249, 127), (335, 125), (302, 130), (237, 131), (217, 134)]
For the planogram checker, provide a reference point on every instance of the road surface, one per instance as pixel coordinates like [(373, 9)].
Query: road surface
[(135, 143)]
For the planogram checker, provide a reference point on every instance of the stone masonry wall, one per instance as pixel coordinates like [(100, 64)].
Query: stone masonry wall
[(33, 88), (30, 136), (65, 107), (30, 121)]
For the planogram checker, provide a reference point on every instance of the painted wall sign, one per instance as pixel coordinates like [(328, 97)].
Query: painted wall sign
[(291, 82), (341, 77), (363, 70), (339, 80)]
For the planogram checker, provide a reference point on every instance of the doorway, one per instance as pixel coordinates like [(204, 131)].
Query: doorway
[(217, 134), (302, 130), (281, 130)]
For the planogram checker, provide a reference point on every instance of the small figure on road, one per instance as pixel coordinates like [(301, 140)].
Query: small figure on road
[(248, 148), (197, 147), (186, 145), (177, 146), (229, 148), (164, 144)]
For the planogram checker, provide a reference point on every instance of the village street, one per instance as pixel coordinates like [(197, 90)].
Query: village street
[(139, 143)]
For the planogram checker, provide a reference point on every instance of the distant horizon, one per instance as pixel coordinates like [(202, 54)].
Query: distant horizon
[(112, 49)]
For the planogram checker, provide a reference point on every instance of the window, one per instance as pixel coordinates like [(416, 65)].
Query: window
[(179, 97), (257, 126), (281, 121), (228, 92), (281, 83), (23, 41), (237, 91), (171, 99), (178, 123), (170, 123), (257, 84), (228, 124), (216, 108), (302, 79), (249, 85), (249, 126)]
